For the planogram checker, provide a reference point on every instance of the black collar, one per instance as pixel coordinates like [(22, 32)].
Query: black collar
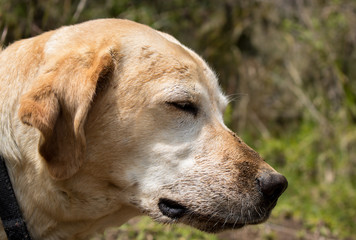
[(12, 221)]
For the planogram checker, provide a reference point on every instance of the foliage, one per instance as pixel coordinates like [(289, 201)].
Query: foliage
[(288, 66)]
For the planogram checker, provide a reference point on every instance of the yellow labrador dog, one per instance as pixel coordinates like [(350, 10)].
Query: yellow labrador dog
[(110, 119)]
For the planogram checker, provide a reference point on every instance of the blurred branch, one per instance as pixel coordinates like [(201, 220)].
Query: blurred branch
[(36, 29), (3, 35), (79, 10), (296, 88), (260, 126)]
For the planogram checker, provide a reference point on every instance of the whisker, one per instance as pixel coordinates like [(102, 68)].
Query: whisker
[(236, 96), (237, 219)]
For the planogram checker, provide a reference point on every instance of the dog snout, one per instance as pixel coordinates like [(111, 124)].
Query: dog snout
[(272, 185)]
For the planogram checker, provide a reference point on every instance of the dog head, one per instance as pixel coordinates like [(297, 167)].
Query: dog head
[(141, 116)]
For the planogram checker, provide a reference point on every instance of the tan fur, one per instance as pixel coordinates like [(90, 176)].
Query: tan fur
[(91, 139)]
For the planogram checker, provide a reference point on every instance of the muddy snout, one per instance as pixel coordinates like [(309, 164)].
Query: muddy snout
[(271, 185)]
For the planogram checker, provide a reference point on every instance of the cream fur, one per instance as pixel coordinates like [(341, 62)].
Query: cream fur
[(91, 140)]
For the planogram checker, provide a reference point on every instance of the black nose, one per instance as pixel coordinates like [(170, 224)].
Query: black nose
[(272, 185)]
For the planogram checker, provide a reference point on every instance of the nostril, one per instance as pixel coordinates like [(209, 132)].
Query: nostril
[(272, 185), (171, 208)]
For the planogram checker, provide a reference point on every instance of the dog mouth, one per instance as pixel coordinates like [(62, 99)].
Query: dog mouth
[(171, 208), (211, 223)]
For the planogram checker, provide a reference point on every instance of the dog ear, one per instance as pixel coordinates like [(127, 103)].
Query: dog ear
[(58, 104)]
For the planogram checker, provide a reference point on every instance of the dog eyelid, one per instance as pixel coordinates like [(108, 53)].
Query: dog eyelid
[(185, 106)]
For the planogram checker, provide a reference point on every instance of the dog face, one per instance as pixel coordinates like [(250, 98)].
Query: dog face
[(146, 125)]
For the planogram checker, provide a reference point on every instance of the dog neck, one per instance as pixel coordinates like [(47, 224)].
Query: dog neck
[(58, 209), (57, 213)]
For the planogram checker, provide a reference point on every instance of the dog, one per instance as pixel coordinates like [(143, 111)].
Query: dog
[(110, 119)]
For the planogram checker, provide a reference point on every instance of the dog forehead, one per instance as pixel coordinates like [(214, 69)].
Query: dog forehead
[(163, 57), (207, 78)]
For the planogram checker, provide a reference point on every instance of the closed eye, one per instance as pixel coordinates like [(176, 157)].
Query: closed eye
[(187, 107)]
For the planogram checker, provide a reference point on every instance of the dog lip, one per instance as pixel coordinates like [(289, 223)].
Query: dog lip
[(208, 223), (216, 228), (171, 209), (217, 224), (213, 224)]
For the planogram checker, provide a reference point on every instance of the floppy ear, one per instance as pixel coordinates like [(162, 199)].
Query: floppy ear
[(58, 104)]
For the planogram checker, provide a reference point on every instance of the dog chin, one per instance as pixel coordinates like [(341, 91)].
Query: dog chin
[(210, 224), (213, 226), (172, 212)]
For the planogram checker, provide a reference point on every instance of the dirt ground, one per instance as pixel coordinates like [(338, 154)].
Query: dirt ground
[(286, 229)]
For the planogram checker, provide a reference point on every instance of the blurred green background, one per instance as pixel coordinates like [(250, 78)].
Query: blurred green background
[(289, 68)]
